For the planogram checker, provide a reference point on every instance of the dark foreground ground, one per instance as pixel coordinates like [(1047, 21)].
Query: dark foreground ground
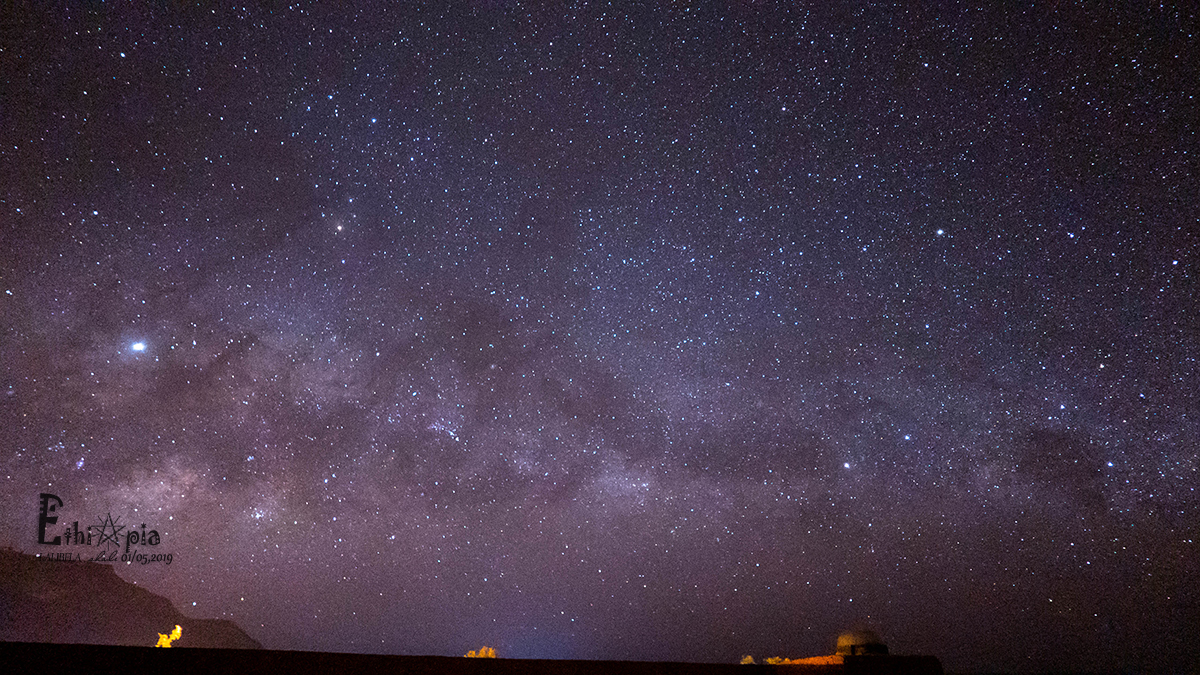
[(20, 657)]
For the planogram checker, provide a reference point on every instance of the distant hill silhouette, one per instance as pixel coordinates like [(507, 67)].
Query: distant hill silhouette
[(80, 617), (21, 657), (87, 603)]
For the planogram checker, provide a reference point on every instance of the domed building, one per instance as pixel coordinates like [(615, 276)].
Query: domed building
[(860, 642), (862, 651)]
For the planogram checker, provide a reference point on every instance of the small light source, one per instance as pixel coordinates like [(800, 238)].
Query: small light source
[(166, 640), (139, 347)]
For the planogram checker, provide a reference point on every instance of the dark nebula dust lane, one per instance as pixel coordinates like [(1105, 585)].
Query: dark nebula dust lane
[(674, 332)]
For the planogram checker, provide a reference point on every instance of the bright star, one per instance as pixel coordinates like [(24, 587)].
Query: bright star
[(139, 346)]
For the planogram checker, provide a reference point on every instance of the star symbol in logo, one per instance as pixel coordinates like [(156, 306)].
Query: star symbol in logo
[(109, 529)]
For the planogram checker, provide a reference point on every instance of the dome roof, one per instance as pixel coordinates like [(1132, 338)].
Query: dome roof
[(860, 642)]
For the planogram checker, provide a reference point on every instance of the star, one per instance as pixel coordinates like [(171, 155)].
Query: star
[(109, 530)]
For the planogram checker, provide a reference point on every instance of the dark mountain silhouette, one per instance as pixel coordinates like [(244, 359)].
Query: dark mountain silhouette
[(80, 617), (87, 603), (20, 657)]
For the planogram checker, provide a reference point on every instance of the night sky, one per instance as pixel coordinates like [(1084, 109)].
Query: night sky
[(616, 332)]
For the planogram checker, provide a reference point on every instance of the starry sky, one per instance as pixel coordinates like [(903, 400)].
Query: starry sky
[(672, 331)]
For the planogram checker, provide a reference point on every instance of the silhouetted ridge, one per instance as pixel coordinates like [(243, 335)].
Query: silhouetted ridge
[(87, 603)]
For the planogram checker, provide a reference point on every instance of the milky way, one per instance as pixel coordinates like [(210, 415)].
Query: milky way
[(599, 332)]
